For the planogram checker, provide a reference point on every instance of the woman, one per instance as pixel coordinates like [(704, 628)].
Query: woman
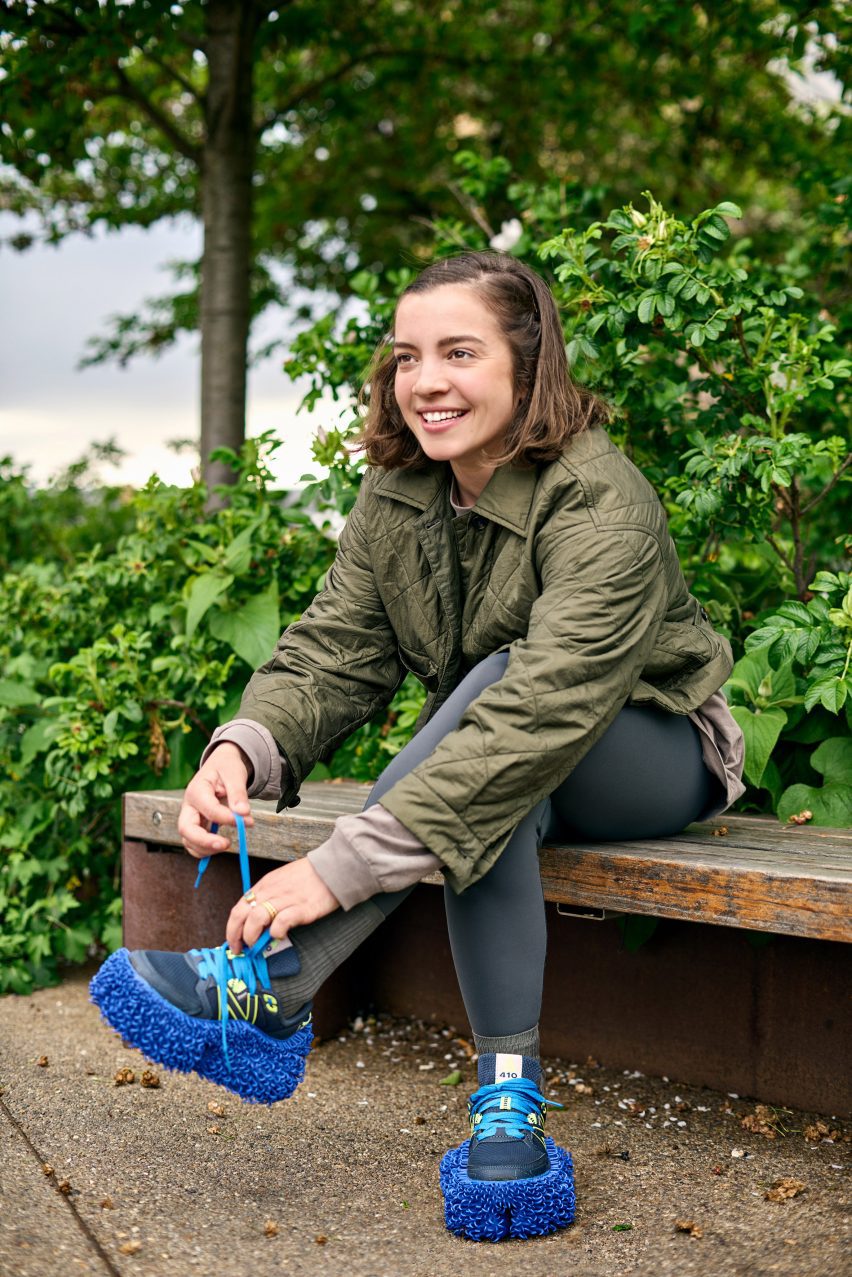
[(504, 551)]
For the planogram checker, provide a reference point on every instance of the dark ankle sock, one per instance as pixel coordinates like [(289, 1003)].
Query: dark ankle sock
[(319, 948), (512, 1055)]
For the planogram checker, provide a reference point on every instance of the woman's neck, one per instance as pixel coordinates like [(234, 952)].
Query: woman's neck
[(470, 483)]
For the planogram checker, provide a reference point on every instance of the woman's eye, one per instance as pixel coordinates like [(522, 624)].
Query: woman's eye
[(466, 353), (400, 359)]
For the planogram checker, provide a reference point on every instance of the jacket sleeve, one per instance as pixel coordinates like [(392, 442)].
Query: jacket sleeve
[(603, 596), (333, 668)]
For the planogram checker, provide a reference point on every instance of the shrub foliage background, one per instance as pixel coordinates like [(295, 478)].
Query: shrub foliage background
[(129, 622)]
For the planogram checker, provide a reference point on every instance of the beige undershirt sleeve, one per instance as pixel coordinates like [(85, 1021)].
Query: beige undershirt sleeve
[(368, 853)]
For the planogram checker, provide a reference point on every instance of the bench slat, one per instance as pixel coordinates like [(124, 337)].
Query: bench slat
[(760, 875)]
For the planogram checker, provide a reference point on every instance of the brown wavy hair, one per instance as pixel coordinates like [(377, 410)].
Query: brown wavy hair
[(552, 409)]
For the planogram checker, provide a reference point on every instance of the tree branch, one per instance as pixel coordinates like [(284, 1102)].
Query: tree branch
[(844, 466), (174, 74), (127, 89), (788, 563), (382, 52), (186, 709), (738, 329)]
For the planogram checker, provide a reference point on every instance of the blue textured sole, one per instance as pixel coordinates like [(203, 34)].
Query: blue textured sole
[(262, 1069), (489, 1210)]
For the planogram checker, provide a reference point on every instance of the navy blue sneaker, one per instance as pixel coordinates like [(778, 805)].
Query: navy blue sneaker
[(210, 1011), (509, 1179), (507, 1131)]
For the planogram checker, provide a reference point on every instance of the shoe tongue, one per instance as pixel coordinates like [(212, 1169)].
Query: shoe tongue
[(495, 1068), (281, 962)]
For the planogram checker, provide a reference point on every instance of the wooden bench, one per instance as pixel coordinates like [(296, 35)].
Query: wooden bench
[(697, 1002)]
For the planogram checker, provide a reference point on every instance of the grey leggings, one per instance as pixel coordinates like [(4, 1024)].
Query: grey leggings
[(644, 778)]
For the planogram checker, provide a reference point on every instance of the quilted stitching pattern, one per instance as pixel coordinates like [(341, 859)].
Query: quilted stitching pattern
[(571, 568)]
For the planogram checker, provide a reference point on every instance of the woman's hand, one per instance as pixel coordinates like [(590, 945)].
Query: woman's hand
[(223, 777), (295, 890)]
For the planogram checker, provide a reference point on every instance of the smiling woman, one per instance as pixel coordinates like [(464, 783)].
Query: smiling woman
[(504, 549)]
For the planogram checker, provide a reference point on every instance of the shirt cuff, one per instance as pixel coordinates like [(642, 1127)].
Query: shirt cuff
[(258, 745), (368, 854)]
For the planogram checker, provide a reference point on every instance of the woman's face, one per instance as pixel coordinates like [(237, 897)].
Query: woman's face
[(454, 379)]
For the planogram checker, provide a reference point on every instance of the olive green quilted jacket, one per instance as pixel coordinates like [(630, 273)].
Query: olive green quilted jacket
[(569, 567)]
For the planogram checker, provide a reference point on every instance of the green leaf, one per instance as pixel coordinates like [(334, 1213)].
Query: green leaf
[(238, 554), (760, 732), (749, 672), (831, 804), (452, 1079), (36, 739), (831, 691), (636, 929), (13, 695), (833, 760), (621, 1228), (202, 593), (253, 631), (646, 307), (727, 209)]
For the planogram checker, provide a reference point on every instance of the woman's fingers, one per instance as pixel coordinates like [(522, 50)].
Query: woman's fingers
[(211, 797), (192, 826), (290, 896)]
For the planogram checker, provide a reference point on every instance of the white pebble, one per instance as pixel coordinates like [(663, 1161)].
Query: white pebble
[(737, 1152), (359, 1064), (732, 1095)]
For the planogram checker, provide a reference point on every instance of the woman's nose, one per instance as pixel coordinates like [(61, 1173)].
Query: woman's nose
[(431, 376)]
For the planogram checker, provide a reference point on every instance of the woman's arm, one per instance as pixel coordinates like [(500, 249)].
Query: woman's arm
[(333, 669)]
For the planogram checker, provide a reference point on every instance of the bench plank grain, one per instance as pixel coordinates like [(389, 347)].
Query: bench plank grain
[(736, 870)]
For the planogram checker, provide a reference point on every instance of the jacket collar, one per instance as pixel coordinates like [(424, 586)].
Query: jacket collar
[(506, 499)]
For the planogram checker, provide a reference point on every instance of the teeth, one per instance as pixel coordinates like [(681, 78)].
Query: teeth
[(443, 416)]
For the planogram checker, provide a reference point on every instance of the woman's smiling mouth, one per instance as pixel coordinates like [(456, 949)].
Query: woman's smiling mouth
[(437, 419)]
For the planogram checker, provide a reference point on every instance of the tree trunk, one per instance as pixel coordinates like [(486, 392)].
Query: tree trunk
[(226, 197)]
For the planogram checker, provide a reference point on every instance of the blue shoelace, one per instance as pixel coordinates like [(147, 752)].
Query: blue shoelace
[(524, 1098), (250, 965)]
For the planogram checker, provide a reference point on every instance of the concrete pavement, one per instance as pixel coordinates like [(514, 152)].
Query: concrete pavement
[(98, 1178)]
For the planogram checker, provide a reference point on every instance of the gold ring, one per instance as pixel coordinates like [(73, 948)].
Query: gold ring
[(270, 909), (250, 898)]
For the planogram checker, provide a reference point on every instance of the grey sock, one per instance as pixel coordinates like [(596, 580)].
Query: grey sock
[(322, 946), (525, 1043)]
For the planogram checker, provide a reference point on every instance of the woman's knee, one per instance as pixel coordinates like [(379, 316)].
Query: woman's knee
[(443, 721)]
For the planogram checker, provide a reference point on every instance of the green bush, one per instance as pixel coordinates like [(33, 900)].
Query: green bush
[(117, 666)]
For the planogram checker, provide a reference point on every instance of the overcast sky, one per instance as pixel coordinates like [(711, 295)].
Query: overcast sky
[(53, 299)]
